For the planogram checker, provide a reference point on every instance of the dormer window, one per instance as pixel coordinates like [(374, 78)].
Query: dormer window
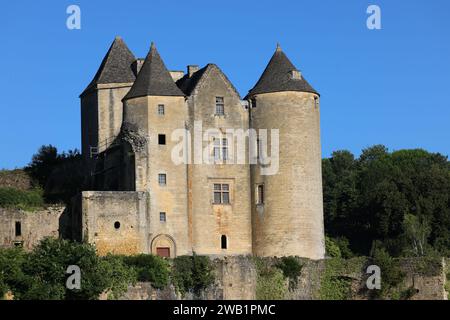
[(220, 106), (296, 75)]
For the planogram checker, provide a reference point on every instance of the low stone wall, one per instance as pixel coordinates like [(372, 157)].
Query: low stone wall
[(34, 226), (237, 278)]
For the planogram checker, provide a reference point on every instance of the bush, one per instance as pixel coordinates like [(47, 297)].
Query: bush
[(12, 277), (150, 268), (26, 200), (291, 269), (41, 274), (192, 273), (391, 274), (120, 275), (331, 248), (270, 282)]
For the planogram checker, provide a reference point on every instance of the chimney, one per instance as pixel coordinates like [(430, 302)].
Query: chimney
[(136, 66), (176, 75), (191, 69)]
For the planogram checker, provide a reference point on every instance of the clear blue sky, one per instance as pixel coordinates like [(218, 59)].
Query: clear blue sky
[(388, 86)]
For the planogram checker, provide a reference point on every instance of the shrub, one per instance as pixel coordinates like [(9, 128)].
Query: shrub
[(391, 274), (291, 269), (192, 273), (26, 200), (270, 282), (150, 268), (331, 248), (120, 275), (11, 274), (41, 274)]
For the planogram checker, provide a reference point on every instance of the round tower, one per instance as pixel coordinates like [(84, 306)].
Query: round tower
[(287, 204)]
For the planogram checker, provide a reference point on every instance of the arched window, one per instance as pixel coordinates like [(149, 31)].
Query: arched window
[(223, 241)]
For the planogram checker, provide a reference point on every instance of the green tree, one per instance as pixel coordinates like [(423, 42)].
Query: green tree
[(417, 233)]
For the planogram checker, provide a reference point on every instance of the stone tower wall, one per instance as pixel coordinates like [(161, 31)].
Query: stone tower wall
[(142, 113), (290, 222)]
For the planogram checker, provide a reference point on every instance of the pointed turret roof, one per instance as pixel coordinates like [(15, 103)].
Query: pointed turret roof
[(116, 66), (153, 79), (278, 76)]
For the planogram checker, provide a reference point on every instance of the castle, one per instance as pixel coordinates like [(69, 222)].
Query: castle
[(132, 114)]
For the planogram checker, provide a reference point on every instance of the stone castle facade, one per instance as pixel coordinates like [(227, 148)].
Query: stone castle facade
[(145, 202)]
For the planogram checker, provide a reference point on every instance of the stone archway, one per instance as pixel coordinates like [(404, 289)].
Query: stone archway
[(163, 245)]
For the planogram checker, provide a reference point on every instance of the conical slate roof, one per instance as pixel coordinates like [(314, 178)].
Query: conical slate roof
[(116, 66), (153, 79), (278, 77)]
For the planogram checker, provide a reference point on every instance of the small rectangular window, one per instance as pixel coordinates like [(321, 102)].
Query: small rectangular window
[(162, 179), (18, 229), (162, 216), (224, 149), (220, 106), (260, 194), (161, 139), (161, 110), (221, 193)]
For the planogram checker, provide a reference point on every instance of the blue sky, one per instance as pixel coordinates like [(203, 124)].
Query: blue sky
[(388, 86)]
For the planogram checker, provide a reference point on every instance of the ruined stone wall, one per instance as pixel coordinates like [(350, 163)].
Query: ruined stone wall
[(210, 221), (290, 222), (115, 221), (237, 279), (48, 222)]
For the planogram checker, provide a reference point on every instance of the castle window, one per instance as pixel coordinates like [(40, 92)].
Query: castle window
[(221, 193), (162, 179), (162, 216), (223, 241), (260, 194), (220, 144), (220, 106), (316, 101), (117, 225), (161, 110), (161, 139), (18, 228), (225, 149)]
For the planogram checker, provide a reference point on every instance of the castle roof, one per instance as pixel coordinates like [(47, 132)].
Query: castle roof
[(189, 84), (115, 66), (278, 76), (153, 79)]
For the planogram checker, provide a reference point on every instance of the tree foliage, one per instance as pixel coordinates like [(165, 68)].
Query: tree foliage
[(41, 274), (60, 175), (373, 197)]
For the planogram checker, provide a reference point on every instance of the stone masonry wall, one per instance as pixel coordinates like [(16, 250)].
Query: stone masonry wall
[(237, 278), (48, 222)]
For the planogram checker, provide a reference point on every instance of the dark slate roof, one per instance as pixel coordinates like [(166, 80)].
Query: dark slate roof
[(277, 77), (153, 79), (116, 66), (188, 84)]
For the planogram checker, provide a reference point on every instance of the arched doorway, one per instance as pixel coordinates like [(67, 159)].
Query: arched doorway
[(163, 245)]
